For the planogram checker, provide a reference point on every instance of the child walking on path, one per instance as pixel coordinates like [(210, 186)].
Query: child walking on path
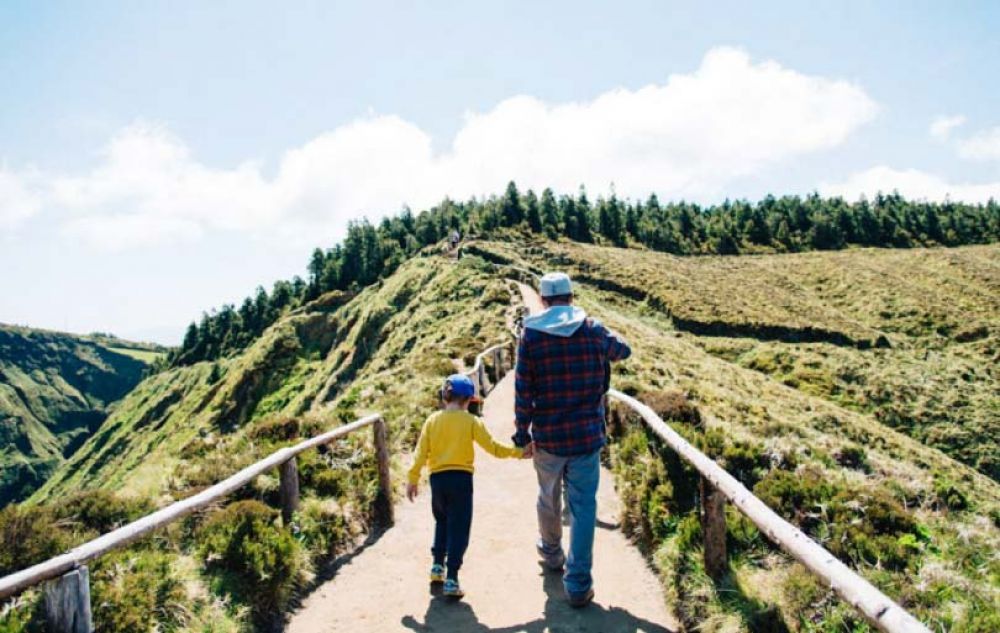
[(446, 445)]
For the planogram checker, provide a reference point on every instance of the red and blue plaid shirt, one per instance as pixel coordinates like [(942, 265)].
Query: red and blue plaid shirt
[(560, 384)]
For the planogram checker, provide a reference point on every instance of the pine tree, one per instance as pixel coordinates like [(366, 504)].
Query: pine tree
[(550, 213), (532, 212), (511, 211)]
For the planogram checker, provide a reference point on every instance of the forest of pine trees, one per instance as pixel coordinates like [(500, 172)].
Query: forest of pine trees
[(786, 224)]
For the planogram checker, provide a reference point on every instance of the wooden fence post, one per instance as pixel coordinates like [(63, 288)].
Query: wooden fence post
[(497, 365), (713, 529), (67, 603), (289, 489), (383, 503), (484, 384)]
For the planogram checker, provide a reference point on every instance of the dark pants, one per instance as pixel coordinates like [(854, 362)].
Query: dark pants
[(451, 501)]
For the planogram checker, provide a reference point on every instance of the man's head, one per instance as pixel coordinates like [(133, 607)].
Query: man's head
[(458, 389), (556, 289)]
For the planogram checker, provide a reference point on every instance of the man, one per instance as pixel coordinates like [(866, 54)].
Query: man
[(563, 372)]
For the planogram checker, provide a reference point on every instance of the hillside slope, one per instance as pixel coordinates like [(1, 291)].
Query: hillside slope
[(340, 355), (807, 435), (55, 390)]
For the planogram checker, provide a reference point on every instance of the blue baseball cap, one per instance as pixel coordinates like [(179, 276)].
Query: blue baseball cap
[(460, 385)]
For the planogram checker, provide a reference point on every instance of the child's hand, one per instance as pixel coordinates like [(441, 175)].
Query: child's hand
[(529, 451), (412, 491)]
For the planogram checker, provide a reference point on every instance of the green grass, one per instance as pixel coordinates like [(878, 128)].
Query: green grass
[(147, 356)]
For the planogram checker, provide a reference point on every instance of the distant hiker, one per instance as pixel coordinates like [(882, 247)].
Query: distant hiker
[(446, 443), (563, 372), (455, 239)]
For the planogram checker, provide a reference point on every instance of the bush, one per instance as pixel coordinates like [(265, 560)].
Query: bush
[(854, 457), (253, 558), (28, 535), (100, 510), (672, 405), (136, 593)]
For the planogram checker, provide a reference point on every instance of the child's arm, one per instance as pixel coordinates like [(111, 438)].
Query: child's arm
[(497, 449), (419, 459)]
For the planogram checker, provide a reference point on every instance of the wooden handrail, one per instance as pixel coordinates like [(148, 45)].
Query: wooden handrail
[(877, 608), (55, 567)]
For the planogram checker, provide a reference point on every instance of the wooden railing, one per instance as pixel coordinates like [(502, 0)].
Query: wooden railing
[(718, 486), (501, 357), (67, 596)]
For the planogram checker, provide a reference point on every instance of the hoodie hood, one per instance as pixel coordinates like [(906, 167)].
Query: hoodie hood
[(557, 320)]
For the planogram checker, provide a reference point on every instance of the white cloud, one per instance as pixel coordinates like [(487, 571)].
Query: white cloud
[(984, 145), (689, 137), (942, 126), (18, 201), (911, 183)]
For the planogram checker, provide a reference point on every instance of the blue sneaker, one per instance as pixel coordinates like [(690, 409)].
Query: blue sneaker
[(437, 574), (452, 590)]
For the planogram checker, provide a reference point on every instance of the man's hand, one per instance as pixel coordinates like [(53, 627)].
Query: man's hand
[(529, 451), (411, 491)]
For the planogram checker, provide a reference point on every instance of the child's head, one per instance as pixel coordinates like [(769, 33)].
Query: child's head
[(458, 389)]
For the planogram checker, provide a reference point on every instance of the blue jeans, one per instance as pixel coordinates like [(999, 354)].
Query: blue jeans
[(580, 475), (451, 503)]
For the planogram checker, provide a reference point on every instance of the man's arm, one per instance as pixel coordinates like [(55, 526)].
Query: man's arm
[(617, 348), (524, 396)]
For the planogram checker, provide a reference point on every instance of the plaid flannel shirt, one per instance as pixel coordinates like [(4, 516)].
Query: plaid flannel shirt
[(560, 384)]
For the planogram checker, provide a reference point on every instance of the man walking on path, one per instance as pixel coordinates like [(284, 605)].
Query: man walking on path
[(563, 372)]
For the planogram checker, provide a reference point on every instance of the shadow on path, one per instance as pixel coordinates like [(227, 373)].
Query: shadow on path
[(446, 615)]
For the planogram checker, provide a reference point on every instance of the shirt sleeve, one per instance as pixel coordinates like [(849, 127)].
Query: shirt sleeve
[(617, 348), (420, 456), (524, 395), (482, 436)]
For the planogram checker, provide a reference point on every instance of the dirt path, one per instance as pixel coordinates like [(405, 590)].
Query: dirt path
[(384, 588)]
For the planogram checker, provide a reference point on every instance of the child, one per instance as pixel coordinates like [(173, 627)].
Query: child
[(446, 442)]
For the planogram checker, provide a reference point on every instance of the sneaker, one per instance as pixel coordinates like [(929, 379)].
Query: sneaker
[(554, 562), (437, 573), (579, 600), (452, 590)]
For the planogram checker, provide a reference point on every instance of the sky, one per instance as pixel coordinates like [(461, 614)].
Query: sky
[(160, 159)]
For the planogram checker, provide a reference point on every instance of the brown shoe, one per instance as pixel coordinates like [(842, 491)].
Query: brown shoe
[(580, 600)]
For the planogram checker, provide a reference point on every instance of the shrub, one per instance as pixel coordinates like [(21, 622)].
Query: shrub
[(253, 558), (28, 535), (136, 593), (672, 405), (101, 510), (947, 494), (854, 457)]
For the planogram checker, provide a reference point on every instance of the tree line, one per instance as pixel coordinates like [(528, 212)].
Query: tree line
[(785, 224)]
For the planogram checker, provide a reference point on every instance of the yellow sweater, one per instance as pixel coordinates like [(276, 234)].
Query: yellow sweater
[(446, 442)]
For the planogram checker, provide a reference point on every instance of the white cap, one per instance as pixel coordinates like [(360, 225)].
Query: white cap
[(555, 284)]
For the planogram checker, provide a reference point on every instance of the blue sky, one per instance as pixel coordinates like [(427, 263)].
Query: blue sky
[(159, 159)]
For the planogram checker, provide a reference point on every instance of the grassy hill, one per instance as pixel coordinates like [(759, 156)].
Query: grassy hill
[(385, 348), (772, 364), (854, 391), (55, 390)]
